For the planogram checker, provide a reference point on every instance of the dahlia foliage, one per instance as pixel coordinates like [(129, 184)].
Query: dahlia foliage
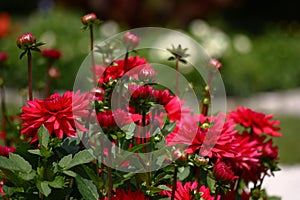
[(98, 144)]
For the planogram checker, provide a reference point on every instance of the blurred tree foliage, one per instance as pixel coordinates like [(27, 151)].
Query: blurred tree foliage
[(271, 64)]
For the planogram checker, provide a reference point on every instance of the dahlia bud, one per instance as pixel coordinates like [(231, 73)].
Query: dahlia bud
[(89, 19), (131, 40), (179, 155), (3, 56), (25, 41), (147, 74), (215, 63), (98, 93), (200, 160), (53, 72), (223, 173)]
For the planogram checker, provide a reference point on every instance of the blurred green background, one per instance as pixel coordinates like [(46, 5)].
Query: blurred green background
[(258, 42)]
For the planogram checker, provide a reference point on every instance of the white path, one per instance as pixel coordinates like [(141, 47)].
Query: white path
[(286, 183)]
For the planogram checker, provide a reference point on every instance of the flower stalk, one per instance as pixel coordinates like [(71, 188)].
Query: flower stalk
[(89, 21)]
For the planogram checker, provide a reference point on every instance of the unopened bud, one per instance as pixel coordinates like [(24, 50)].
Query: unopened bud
[(147, 74), (215, 63), (26, 40), (131, 40), (89, 19)]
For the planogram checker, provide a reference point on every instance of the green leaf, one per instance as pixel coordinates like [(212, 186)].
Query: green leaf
[(20, 162), (184, 173), (138, 147), (35, 151), (92, 175), (70, 173), (5, 163), (164, 187), (81, 157), (86, 188), (65, 161), (11, 190), (27, 176), (43, 187), (58, 182), (43, 136)]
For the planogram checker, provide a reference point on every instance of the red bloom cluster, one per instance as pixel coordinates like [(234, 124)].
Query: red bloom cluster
[(188, 191), (52, 54), (242, 152), (118, 69), (258, 122), (58, 113)]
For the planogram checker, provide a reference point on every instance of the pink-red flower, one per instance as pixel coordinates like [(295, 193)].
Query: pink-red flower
[(5, 150), (118, 69), (52, 54), (258, 122), (58, 113), (53, 72), (213, 140), (188, 191), (222, 172), (3, 56), (129, 195)]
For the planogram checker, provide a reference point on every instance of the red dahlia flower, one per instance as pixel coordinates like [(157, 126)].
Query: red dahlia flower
[(118, 69), (52, 54), (258, 122), (222, 172), (58, 113), (4, 150), (247, 162), (129, 195), (187, 191)]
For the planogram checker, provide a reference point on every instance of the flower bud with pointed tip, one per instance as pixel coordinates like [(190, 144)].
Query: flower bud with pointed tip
[(26, 41), (147, 74), (89, 19), (215, 63), (131, 40)]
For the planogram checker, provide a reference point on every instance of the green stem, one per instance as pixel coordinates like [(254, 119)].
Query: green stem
[(174, 183), (177, 77), (29, 59), (92, 53), (70, 186), (126, 61), (206, 99), (47, 84), (109, 175)]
